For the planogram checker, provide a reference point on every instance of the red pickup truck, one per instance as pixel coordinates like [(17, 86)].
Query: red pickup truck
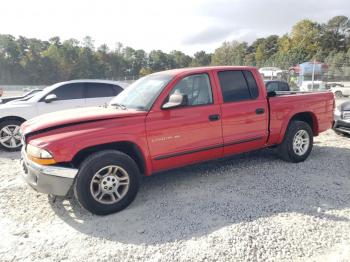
[(163, 121)]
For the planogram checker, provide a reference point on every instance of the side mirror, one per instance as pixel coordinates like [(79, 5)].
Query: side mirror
[(51, 97), (271, 93), (176, 100)]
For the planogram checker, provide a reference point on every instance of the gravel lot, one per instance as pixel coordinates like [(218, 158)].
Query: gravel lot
[(249, 207)]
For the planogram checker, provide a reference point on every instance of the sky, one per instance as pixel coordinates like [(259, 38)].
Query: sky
[(185, 25)]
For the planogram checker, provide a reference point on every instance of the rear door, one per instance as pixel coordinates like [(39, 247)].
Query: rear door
[(187, 134), (244, 111), (68, 96), (98, 94)]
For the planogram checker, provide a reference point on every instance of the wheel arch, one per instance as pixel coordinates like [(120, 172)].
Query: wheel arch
[(127, 147), (12, 118), (307, 117)]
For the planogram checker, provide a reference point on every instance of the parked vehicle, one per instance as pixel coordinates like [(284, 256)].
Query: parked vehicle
[(312, 86), (340, 91), (65, 95), (163, 121), (342, 118), (329, 85), (271, 72), (24, 97), (276, 85)]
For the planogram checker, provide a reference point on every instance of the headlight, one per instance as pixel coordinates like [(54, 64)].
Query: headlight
[(40, 156), (346, 115), (337, 112)]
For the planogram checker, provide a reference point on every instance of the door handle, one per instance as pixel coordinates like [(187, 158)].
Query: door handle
[(260, 111), (214, 117)]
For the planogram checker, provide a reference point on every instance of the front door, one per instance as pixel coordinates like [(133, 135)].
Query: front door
[(189, 133)]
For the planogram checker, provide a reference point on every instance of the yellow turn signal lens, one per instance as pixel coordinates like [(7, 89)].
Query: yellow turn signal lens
[(42, 161)]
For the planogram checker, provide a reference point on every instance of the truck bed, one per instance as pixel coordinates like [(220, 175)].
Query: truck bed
[(287, 104)]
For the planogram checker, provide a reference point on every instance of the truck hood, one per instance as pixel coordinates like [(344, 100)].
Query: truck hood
[(75, 116)]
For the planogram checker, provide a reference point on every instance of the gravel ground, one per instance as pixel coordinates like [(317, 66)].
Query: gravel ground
[(251, 207)]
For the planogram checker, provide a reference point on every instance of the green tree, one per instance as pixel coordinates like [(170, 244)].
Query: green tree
[(179, 59), (201, 58), (158, 61), (305, 36), (230, 53)]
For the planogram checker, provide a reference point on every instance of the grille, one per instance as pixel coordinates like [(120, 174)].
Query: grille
[(346, 115)]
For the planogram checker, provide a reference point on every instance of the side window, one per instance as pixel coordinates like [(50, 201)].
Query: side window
[(69, 91), (101, 90), (272, 86), (233, 85), (253, 87), (196, 88), (284, 87), (117, 89)]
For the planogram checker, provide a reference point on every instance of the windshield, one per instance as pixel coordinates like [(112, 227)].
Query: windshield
[(142, 94)]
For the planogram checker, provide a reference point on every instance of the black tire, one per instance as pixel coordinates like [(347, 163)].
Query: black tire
[(338, 94), (9, 122), (93, 164), (286, 151)]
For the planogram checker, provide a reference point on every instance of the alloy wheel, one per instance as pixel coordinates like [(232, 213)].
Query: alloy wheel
[(10, 136)]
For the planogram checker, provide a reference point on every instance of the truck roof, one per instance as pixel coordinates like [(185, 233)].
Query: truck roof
[(205, 68)]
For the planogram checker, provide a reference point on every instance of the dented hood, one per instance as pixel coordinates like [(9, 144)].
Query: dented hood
[(75, 116)]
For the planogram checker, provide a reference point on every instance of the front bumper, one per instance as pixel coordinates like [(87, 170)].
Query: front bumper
[(342, 126), (53, 180)]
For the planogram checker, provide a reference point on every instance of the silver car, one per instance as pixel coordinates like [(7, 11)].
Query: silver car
[(342, 118)]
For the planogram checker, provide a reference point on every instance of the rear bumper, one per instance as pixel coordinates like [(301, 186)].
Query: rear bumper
[(53, 180), (342, 126)]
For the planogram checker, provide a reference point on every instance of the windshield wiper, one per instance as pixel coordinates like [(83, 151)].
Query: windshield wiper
[(123, 107)]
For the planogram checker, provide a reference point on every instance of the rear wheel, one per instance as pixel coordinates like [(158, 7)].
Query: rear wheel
[(297, 143), (10, 139), (107, 182)]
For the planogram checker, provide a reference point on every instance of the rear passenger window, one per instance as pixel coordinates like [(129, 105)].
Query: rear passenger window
[(253, 87), (101, 90), (234, 86)]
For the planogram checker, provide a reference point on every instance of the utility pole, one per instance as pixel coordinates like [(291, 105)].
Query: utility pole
[(313, 74)]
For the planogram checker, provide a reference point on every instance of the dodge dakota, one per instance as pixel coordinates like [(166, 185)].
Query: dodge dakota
[(164, 121)]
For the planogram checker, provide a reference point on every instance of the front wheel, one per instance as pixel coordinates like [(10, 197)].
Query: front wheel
[(297, 143), (10, 139), (107, 182)]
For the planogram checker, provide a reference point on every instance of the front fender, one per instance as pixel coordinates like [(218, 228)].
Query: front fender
[(64, 143)]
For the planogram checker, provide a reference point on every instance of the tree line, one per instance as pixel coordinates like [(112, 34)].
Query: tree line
[(33, 61)]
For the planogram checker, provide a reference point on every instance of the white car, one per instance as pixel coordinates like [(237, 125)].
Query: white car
[(340, 91), (315, 86), (60, 96), (270, 72)]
